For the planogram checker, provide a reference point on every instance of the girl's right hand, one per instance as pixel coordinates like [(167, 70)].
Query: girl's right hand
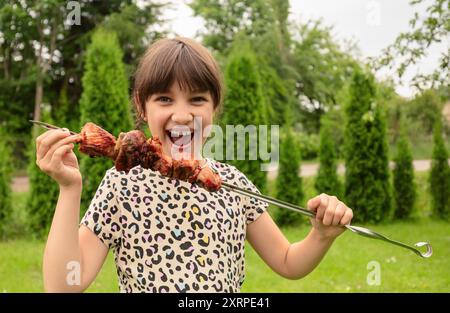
[(55, 157)]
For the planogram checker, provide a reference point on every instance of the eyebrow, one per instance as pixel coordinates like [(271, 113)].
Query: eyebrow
[(192, 92), (200, 91)]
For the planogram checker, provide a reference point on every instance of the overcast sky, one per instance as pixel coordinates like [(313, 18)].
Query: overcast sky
[(373, 24)]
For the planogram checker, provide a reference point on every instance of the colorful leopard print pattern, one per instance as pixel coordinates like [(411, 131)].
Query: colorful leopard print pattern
[(169, 235)]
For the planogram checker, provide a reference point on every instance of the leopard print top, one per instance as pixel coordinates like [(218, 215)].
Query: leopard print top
[(169, 235)]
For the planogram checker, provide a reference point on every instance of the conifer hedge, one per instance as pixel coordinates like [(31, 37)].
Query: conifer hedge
[(244, 105), (404, 188), (367, 186), (327, 180), (439, 178), (289, 185), (104, 101), (5, 183)]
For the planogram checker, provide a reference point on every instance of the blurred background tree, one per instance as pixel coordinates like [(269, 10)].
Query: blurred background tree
[(279, 71), (289, 183), (244, 105), (440, 175), (323, 66), (104, 101), (367, 187), (411, 46), (5, 183), (41, 55), (327, 180), (404, 187)]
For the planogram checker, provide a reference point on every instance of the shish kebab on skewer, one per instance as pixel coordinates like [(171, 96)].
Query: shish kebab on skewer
[(132, 149)]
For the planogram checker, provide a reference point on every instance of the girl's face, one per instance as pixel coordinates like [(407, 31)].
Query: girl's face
[(173, 116)]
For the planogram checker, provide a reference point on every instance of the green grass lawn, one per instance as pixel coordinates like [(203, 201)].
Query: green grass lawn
[(344, 268)]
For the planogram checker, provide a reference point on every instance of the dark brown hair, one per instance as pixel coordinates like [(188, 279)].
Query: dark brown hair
[(179, 59)]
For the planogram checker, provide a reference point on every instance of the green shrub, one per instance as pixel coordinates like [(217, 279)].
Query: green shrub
[(439, 179), (367, 186), (309, 145), (327, 180), (104, 101), (5, 183), (244, 105), (289, 183), (404, 186)]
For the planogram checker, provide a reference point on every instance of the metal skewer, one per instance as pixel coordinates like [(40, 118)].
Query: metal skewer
[(282, 204), (50, 126), (356, 229)]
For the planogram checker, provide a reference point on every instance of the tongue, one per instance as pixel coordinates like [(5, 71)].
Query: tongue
[(181, 140)]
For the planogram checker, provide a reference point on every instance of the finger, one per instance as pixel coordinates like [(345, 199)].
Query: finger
[(324, 199), (44, 135), (46, 143), (56, 160), (61, 142), (338, 213), (41, 136), (346, 219), (39, 140), (329, 212), (313, 203)]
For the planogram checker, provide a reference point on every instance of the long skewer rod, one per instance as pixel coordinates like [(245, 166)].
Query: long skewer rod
[(286, 205)]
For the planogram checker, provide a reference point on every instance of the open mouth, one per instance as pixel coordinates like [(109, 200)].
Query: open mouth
[(180, 138)]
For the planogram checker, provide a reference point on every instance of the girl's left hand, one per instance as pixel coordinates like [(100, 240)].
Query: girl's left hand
[(331, 215)]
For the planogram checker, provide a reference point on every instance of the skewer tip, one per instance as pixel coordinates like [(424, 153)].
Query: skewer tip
[(429, 251)]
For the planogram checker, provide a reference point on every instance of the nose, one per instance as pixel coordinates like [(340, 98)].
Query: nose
[(182, 114)]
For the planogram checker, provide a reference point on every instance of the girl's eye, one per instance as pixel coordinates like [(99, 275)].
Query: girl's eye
[(163, 99), (198, 99)]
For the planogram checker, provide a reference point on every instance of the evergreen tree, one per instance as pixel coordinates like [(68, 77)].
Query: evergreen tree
[(277, 93), (244, 105), (264, 25), (327, 180), (404, 186), (367, 188), (439, 178), (5, 181), (104, 101), (289, 184)]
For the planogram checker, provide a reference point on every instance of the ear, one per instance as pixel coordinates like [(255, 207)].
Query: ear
[(141, 114)]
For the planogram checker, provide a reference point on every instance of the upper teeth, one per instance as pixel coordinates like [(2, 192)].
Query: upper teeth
[(177, 133)]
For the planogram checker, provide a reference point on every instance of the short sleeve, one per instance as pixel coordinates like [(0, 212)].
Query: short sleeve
[(102, 216), (253, 207)]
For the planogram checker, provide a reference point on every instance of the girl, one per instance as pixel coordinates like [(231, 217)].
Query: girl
[(168, 235)]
